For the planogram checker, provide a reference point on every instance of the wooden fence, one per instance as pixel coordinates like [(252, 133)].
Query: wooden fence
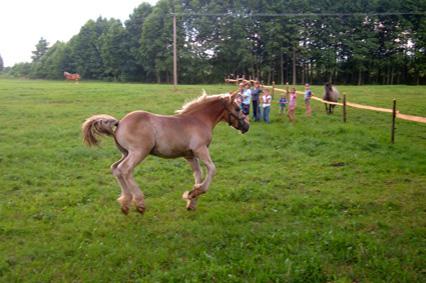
[(394, 111)]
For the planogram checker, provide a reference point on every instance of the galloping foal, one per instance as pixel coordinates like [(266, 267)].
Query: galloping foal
[(72, 77), (186, 134)]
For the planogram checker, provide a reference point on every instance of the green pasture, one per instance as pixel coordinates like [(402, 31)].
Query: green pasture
[(314, 201)]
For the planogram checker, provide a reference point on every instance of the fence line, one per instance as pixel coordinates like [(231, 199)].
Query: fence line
[(399, 115)]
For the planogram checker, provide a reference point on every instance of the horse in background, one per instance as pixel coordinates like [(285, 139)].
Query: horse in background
[(186, 134), (72, 77), (330, 94)]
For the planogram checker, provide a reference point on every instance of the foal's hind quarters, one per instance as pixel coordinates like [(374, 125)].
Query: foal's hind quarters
[(186, 134)]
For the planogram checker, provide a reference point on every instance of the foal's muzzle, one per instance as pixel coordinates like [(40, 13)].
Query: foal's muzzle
[(244, 129)]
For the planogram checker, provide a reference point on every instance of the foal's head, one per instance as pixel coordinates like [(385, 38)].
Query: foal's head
[(233, 114), (328, 87)]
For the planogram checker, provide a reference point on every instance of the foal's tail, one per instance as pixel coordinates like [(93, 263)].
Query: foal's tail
[(98, 125)]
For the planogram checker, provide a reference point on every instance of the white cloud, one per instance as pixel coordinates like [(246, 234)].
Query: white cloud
[(24, 22)]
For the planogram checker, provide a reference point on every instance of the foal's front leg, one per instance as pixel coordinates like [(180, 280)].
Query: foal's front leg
[(191, 197)]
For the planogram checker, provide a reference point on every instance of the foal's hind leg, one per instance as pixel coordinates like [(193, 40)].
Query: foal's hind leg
[(125, 169), (195, 165), (126, 196)]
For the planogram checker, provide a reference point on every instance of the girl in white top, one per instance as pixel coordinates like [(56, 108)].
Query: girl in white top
[(266, 104)]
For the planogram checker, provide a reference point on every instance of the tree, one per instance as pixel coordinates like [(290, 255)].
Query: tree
[(114, 50), (1, 64), (41, 48), (156, 42), (356, 49), (133, 69), (52, 64), (85, 49)]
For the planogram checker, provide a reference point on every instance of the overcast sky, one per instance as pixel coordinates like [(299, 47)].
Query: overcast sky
[(24, 22)]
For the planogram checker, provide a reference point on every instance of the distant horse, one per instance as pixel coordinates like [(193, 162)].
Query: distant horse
[(330, 94), (72, 77), (186, 134)]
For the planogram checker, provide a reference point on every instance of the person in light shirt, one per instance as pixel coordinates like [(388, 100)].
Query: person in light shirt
[(307, 97), (246, 99), (266, 105)]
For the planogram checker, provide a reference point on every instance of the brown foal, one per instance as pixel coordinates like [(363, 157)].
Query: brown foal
[(186, 134)]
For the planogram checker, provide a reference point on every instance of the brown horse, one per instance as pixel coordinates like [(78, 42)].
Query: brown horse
[(330, 94), (72, 77), (186, 134)]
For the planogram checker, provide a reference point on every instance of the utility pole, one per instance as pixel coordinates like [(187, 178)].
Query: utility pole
[(174, 54)]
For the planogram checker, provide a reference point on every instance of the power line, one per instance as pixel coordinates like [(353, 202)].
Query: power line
[(297, 14)]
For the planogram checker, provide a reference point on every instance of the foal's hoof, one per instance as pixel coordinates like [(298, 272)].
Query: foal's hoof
[(125, 210), (140, 209), (190, 203), (185, 195)]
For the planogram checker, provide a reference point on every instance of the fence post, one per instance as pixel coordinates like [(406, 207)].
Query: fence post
[(273, 89), (237, 81), (393, 121), (344, 108)]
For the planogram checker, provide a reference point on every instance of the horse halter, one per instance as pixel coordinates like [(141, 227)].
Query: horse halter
[(231, 114)]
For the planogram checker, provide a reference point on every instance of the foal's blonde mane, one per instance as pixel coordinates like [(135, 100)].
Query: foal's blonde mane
[(199, 102)]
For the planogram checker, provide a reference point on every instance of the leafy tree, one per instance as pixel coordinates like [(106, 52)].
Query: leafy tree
[(21, 70), (133, 69), (52, 64), (156, 42), (114, 50)]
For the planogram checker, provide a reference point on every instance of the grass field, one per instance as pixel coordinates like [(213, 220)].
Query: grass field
[(317, 201)]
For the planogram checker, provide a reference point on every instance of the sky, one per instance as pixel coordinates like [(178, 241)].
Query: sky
[(24, 22)]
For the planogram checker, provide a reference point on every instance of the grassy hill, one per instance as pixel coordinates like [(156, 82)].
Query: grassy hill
[(314, 201)]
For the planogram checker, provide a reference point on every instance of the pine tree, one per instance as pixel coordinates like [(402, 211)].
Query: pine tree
[(41, 48)]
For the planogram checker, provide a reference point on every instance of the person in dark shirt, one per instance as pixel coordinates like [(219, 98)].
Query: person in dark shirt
[(283, 103), (255, 93)]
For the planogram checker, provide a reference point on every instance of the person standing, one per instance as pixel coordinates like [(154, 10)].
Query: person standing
[(246, 98), (307, 97), (266, 105), (239, 98), (283, 103), (292, 105), (255, 93)]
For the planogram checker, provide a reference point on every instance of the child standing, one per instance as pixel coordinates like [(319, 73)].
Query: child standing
[(292, 105), (266, 105), (239, 97), (246, 98), (307, 97), (283, 103)]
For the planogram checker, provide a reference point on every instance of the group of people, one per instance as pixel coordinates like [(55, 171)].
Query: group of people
[(261, 101)]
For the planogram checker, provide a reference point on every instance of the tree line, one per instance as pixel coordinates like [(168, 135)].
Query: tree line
[(379, 48)]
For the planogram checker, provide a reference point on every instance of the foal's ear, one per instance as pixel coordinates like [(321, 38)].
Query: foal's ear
[(233, 95)]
